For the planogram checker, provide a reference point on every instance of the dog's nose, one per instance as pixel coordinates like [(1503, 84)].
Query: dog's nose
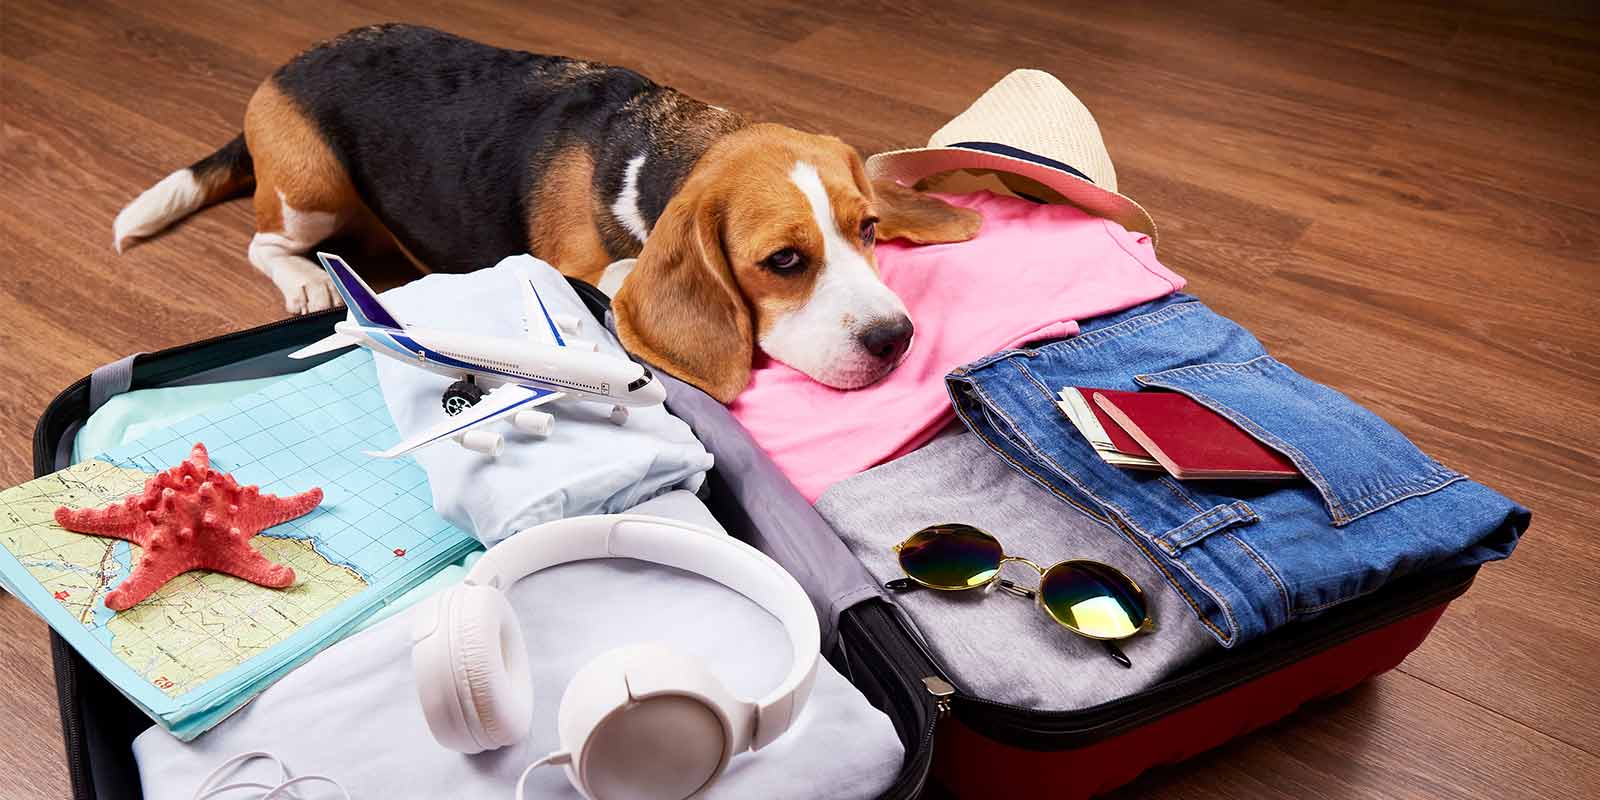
[(888, 340)]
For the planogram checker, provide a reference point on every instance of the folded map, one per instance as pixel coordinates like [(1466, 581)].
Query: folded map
[(205, 643)]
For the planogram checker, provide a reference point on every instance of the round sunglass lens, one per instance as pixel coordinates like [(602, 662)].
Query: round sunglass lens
[(1093, 599), (951, 556)]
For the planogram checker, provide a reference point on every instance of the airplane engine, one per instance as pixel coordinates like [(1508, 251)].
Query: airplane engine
[(534, 423), (569, 324), (488, 443)]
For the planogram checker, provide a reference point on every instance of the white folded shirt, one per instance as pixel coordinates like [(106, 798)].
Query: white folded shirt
[(351, 713), (587, 465)]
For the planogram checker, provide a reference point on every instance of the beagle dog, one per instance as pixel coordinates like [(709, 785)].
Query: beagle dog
[(458, 154)]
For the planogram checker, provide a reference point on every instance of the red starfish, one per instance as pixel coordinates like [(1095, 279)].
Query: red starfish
[(191, 517)]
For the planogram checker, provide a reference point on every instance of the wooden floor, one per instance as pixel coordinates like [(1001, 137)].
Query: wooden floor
[(1402, 200)]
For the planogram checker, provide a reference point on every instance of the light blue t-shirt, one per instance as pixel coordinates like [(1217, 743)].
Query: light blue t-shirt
[(587, 465)]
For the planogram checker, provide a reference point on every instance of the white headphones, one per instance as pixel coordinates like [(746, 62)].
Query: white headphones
[(635, 723)]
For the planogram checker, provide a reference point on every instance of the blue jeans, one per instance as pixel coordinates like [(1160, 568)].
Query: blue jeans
[(1247, 556)]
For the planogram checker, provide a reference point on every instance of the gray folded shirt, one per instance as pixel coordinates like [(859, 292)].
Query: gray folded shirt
[(996, 645)]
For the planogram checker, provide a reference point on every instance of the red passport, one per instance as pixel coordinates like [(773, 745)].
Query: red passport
[(1188, 439), (1114, 431)]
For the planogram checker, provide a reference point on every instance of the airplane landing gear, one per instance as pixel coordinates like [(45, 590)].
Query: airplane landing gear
[(619, 415), (461, 395)]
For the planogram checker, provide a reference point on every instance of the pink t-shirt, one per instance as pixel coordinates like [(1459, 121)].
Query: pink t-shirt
[(1031, 272)]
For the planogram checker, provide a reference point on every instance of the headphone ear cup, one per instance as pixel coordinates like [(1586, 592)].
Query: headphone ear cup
[(646, 723), (472, 671), (494, 667)]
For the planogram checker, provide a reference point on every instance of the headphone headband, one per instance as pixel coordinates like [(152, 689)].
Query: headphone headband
[(692, 548)]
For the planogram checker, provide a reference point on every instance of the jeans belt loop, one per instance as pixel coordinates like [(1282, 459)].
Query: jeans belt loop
[(1206, 523)]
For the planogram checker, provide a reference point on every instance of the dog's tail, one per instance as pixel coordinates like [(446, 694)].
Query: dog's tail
[(223, 175)]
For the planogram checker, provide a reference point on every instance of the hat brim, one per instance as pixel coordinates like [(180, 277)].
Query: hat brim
[(907, 167)]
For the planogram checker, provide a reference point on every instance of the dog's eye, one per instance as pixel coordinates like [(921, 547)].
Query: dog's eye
[(784, 260), (869, 231)]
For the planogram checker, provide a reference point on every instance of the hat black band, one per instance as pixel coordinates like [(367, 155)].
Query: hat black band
[(1015, 152)]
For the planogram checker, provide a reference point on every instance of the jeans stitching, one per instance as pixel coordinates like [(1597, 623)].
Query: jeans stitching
[(1026, 443), (1220, 598), (1129, 536), (1008, 430), (1227, 611), (1124, 328), (1331, 603), (1380, 499), (1324, 487), (1164, 540), (1056, 466), (967, 368), (1178, 492), (1120, 512), (1121, 517), (1116, 331), (1272, 574), (1208, 522), (1343, 511), (1096, 514)]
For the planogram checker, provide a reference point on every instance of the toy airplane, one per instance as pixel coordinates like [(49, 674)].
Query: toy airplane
[(520, 373)]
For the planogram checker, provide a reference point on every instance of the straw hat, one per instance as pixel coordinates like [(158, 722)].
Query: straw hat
[(1027, 126)]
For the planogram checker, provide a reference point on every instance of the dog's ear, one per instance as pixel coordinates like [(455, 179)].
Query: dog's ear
[(680, 308), (911, 215)]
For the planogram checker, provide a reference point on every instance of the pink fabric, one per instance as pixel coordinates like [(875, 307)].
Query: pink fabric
[(1029, 275)]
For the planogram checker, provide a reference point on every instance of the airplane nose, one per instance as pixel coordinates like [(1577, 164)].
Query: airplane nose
[(654, 392)]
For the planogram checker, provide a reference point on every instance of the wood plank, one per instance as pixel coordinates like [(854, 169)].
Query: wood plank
[(1400, 198), (1391, 737), (32, 764)]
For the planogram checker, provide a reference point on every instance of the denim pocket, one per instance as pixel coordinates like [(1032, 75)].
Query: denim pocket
[(1355, 460)]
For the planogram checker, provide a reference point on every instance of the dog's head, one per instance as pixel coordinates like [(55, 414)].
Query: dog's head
[(769, 242)]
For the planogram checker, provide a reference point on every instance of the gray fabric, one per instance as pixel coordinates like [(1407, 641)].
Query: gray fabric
[(995, 645), (107, 381), (759, 505), (110, 380)]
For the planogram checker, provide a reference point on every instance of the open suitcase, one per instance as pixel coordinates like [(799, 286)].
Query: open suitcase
[(955, 742)]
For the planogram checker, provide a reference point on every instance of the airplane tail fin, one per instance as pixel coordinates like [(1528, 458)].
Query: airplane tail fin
[(364, 305), (536, 320)]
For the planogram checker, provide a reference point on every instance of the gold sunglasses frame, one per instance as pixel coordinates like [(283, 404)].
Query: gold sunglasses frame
[(1147, 625)]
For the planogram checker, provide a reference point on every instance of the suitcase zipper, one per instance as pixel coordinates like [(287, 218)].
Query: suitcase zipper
[(941, 691), (889, 641), (71, 727)]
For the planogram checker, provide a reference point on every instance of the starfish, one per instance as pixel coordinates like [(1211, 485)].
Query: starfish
[(191, 517)]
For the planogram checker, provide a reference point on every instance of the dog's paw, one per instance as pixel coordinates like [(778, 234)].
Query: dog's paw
[(306, 289)]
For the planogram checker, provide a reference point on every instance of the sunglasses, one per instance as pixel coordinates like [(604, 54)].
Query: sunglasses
[(1091, 599)]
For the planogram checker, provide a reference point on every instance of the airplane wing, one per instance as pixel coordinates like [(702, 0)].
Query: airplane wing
[(507, 399), (536, 320), (328, 344)]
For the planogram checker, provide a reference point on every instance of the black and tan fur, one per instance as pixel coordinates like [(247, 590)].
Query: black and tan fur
[(460, 154)]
